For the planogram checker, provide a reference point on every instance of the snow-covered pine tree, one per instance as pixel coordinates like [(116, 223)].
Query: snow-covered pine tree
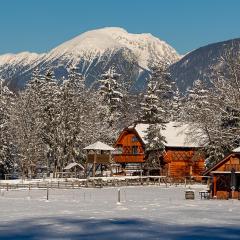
[(156, 103), (226, 101), (110, 90), (155, 146), (82, 119), (196, 104), (71, 128), (198, 108), (227, 85), (130, 110), (7, 148), (215, 108), (26, 123), (151, 112), (176, 104), (156, 111), (95, 121), (50, 120)]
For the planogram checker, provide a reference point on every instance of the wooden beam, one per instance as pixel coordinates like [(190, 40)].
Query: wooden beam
[(214, 185), (94, 164), (190, 170)]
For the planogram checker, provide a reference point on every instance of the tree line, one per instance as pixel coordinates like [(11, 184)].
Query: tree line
[(49, 123)]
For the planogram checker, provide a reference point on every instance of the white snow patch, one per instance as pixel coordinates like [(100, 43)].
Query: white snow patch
[(237, 150), (176, 134)]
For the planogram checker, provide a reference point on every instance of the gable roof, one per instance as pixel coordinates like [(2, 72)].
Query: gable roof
[(74, 164), (176, 134), (217, 165), (99, 146), (125, 131)]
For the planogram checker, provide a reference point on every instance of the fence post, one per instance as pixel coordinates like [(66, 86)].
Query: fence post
[(7, 186), (119, 196), (166, 180), (148, 180), (47, 191)]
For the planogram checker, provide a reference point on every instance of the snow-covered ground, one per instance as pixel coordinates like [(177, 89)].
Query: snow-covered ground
[(145, 212)]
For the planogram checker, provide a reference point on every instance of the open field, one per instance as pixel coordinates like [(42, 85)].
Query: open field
[(144, 212)]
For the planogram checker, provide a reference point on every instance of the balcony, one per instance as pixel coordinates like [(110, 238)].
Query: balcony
[(129, 158), (99, 158)]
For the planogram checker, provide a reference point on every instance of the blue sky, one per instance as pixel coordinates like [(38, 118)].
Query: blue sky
[(40, 25)]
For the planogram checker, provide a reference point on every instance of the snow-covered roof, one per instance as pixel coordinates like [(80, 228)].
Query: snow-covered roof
[(74, 164), (176, 134), (99, 146), (237, 150)]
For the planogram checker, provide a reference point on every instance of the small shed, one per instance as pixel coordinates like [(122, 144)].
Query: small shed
[(226, 176), (98, 154), (73, 169), (73, 166)]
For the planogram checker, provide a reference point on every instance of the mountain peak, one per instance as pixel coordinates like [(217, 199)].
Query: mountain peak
[(112, 29), (93, 52), (95, 42)]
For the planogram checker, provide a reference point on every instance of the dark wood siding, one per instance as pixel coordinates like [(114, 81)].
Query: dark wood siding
[(179, 162)]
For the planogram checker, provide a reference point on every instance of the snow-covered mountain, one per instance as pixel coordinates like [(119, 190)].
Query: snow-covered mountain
[(92, 53), (199, 63)]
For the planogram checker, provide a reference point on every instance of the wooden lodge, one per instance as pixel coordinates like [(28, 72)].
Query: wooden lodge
[(181, 158), (226, 177)]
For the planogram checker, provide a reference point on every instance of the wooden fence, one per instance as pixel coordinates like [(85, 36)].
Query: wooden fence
[(96, 182), (91, 182)]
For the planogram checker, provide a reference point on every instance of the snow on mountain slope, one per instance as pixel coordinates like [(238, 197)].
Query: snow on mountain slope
[(144, 46), (199, 64), (92, 52), (23, 58)]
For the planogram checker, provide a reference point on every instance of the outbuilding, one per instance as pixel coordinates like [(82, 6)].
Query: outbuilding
[(98, 155), (226, 176)]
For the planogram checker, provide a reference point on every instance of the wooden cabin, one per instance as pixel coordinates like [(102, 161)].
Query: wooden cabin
[(181, 158), (226, 176)]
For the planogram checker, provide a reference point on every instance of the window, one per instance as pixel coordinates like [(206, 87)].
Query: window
[(134, 139), (134, 150), (119, 150)]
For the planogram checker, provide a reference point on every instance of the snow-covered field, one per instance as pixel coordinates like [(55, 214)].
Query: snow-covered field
[(145, 212)]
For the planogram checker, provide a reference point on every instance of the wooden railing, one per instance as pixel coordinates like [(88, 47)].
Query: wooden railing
[(127, 158), (100, 158)]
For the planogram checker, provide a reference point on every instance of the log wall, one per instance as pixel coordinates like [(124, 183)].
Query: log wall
[(184, 162)]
